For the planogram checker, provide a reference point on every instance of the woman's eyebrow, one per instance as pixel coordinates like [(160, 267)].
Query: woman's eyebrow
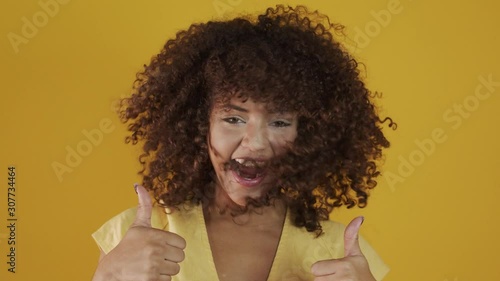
[(235, 107)]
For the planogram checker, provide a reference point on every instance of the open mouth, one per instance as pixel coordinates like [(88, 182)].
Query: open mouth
[(248, 172)]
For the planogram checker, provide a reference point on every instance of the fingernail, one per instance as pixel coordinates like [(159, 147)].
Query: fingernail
[(135, 187), (362, 220)]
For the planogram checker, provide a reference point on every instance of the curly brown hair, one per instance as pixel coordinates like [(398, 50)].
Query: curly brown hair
[(287, 58)]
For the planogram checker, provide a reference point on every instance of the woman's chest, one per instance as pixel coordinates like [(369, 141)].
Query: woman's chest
[(243, 253)]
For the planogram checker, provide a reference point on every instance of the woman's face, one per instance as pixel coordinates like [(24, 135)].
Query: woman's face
[(246, 136)]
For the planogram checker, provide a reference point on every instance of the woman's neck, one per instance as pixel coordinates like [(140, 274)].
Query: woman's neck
[(221, 207)]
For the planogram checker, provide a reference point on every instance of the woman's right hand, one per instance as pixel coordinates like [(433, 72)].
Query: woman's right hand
[(144, 253)]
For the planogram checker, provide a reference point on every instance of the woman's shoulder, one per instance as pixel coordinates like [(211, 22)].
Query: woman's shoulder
[(332, 227), (332, 230)]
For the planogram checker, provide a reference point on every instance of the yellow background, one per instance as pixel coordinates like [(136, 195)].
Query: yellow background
[(438, 222)]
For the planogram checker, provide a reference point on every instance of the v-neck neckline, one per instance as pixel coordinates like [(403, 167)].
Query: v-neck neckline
[(213, 274)]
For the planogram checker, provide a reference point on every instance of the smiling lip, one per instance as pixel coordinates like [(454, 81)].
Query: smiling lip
[(248, 182)]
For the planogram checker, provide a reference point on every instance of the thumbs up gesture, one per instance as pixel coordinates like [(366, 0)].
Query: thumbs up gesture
[(144, 253), (353, 266)]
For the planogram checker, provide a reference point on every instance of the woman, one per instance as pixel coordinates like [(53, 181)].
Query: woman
[(253, 130)]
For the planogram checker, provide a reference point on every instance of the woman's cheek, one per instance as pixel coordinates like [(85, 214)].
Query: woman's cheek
[(281, 140), (225, 140)]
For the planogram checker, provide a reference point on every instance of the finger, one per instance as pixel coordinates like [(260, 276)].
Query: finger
[(144, 209), (334, 277), (173, 254), (170, 268), (351, 235), (164, 277), (323, 268), (327, 278), (175, 240)]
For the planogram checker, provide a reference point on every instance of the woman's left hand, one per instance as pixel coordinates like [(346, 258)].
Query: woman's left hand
[(352, 267)]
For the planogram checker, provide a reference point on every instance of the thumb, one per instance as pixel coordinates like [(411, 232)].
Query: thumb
[(145, 207), (351, 235)]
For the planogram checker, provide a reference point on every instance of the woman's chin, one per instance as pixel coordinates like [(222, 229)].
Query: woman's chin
[(236, 190)]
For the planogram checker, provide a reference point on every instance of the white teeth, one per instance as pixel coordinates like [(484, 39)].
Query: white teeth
[(249, 163)]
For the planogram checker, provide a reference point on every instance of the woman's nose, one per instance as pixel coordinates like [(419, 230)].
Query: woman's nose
[(255, 138)]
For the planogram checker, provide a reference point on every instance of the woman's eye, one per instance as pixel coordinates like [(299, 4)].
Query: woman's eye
[(281, 124), (232, 120)]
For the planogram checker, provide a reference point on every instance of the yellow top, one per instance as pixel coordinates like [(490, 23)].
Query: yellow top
[(297, 249)]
